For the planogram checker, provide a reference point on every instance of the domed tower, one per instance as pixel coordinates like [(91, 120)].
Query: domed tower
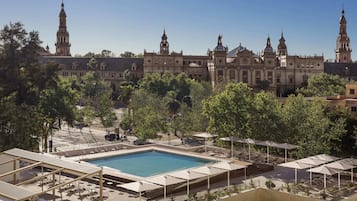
[(282, 49), (343, 50), (164, 45), (62, 44), (268, 54)]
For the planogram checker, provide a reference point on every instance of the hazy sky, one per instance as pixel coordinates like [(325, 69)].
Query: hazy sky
[(310, 26)]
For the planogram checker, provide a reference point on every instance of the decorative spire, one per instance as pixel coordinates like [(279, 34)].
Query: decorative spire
[(62, 44), (268, 42), (164, 44)]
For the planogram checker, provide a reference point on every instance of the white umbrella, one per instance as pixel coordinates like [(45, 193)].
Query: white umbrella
[(353, 162), (296, 165), (140, 186), (164, 180), (232, 140), (340, 165), (229, 166), (209, 171), (187, 175), (287, 147), (325, 171), (316, 160), (205, 136)]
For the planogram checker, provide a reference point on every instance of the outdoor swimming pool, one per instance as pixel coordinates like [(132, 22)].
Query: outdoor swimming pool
[(149, 163)]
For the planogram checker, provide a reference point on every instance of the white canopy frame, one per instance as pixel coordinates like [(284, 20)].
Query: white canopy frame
[(268, 144), (230, 166), (140, 186), (165, 180), (209, 171), (325, 171), (205, 136), (55, 164), (187, 175)]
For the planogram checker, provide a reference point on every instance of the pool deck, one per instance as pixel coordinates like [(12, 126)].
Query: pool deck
[(118, 173)]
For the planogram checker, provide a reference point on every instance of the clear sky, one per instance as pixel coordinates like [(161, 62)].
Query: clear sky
[(310, 26)]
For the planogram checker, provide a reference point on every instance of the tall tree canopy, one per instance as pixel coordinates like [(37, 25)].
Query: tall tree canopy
[(324, 84), (175, 101), (31, 94), (236, 111)]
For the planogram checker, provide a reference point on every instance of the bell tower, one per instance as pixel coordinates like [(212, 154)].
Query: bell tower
[(282, 49), (343, 50), (164, 45), (62, 44)]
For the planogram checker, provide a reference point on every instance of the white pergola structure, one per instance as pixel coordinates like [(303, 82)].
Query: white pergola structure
[(14, 191), (187, 175), (268, 144), (309, 162), (165, 180), (230, 166), (209, 171), (139, 187), (325, 171), (205, 136)]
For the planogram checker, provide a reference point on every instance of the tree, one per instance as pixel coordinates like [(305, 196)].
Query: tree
[(58, 104), (107, 53), (307, 125), (229, 112), (266, 118), (176, 101), (32, 99), (96, 95), (324, 85), (127, 54)]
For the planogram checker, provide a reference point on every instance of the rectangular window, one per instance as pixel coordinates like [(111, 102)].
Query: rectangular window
[(232, 75), (270, 77), (353, 109), (220, 75), (352, 91), (257, 76), (245, 77)]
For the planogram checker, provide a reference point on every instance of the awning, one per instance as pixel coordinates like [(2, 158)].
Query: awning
[(205, 135), (187, 175), (14, 192), (140, 186), (229, 166), (209, 171), (325, 171), (165, 181)]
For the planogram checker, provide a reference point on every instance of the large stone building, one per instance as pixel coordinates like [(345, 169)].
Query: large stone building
[(271, 70), (113, 70), (278, 73), (174, 62)]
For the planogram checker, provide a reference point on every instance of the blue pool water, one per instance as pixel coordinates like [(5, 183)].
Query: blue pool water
[(150, 163)]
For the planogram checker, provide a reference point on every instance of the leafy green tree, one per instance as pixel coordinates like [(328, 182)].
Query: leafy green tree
[(229, 112), (308, 126), (324, 85), (266, 122), (127, 54), (32, 99), (58, 104), (96, 95), (147, 123)]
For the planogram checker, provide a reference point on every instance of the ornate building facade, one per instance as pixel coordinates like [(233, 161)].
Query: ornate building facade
[(272, 70), (195, 66), (113, 70)]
